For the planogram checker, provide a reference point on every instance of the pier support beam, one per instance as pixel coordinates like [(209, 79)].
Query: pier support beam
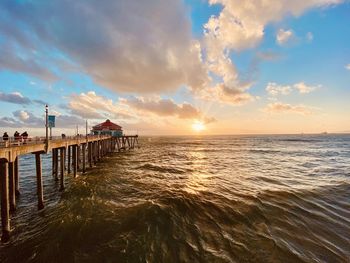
[(90, 154), (12, 192), (56, 164), (69, 159), (75, 160), (17, 176), (62, 169), (5, 213), (39, 181), (78, 156), (84, 157)]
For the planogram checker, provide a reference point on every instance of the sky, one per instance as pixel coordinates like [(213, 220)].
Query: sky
[(176, 67)]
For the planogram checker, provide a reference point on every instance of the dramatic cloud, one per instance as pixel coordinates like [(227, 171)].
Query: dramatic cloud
[(284, 36), (164, 107), (15, 97), (125, 45), (240, 25), (274, 89), (278, 107), (92, 106)]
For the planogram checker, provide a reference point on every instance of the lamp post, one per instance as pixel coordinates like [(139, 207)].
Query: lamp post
[(47, 127)]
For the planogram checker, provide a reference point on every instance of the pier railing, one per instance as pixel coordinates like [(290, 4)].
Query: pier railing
[(19, 141)]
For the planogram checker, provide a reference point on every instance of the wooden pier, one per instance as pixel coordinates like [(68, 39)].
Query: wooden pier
[(78, 151)]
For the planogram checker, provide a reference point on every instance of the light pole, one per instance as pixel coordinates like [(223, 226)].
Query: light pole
[(86, 130), (47, 127)]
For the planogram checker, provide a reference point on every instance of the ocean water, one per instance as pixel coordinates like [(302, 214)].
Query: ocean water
[(264, 198)]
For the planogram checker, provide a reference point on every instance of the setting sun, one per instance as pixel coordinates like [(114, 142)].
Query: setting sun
[(198, 126)]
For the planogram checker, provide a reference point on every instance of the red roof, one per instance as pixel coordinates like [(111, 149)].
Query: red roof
[(107, 125)]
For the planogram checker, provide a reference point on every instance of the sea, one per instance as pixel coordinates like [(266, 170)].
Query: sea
[(243, 198)]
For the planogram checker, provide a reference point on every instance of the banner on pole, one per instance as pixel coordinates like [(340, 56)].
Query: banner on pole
[(51, 121)]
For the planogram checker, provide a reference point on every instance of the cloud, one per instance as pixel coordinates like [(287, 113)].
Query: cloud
[(164, 107), (28, 119), (14, 97), (274, 89), (279, 107), (240, 25), (304, 89), (8, 122), (69, 121), (92, 106), (11, 59), (131, 46), (347, 66), (284, 36)]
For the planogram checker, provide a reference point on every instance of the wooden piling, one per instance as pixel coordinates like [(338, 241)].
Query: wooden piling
[(39, 181), (69, 159), (56, 164), (5, 211), (17, 176), (84, 157), (75, 160), (89, 155), (61, 169), (12, 192)]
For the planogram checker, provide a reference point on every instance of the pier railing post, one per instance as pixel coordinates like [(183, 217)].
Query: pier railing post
[(12, 192), (5, 213), (39, 181)]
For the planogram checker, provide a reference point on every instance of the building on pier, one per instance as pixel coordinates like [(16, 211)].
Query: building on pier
[(107, 128)]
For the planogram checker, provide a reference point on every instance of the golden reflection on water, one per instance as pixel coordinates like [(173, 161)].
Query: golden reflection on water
[(199, 179)]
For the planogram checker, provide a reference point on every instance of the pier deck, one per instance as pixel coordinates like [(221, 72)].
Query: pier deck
[(78, 151)]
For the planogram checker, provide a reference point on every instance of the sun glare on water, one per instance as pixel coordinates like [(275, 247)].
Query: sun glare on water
[(198, 126)]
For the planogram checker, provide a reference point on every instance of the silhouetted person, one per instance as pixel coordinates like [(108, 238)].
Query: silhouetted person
[(5, 137), (24, 136), (63, 136), (16, 135)]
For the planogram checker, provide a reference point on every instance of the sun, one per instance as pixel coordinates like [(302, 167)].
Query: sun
[(198, 126)]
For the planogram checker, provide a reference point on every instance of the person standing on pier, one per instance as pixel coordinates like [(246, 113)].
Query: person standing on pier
[(24, 136), (5, 137), (16, 135)]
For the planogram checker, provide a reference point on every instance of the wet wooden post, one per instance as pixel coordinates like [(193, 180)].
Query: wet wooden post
[(16, 176), (94, 153), (118, 144), (89, 155), (5, 211), (98, 144), (53, 162), (75, 160), (12, 186), (78, 156), (39, 181), (84, 157), (62, 169), (69, 159), (56, 164)]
